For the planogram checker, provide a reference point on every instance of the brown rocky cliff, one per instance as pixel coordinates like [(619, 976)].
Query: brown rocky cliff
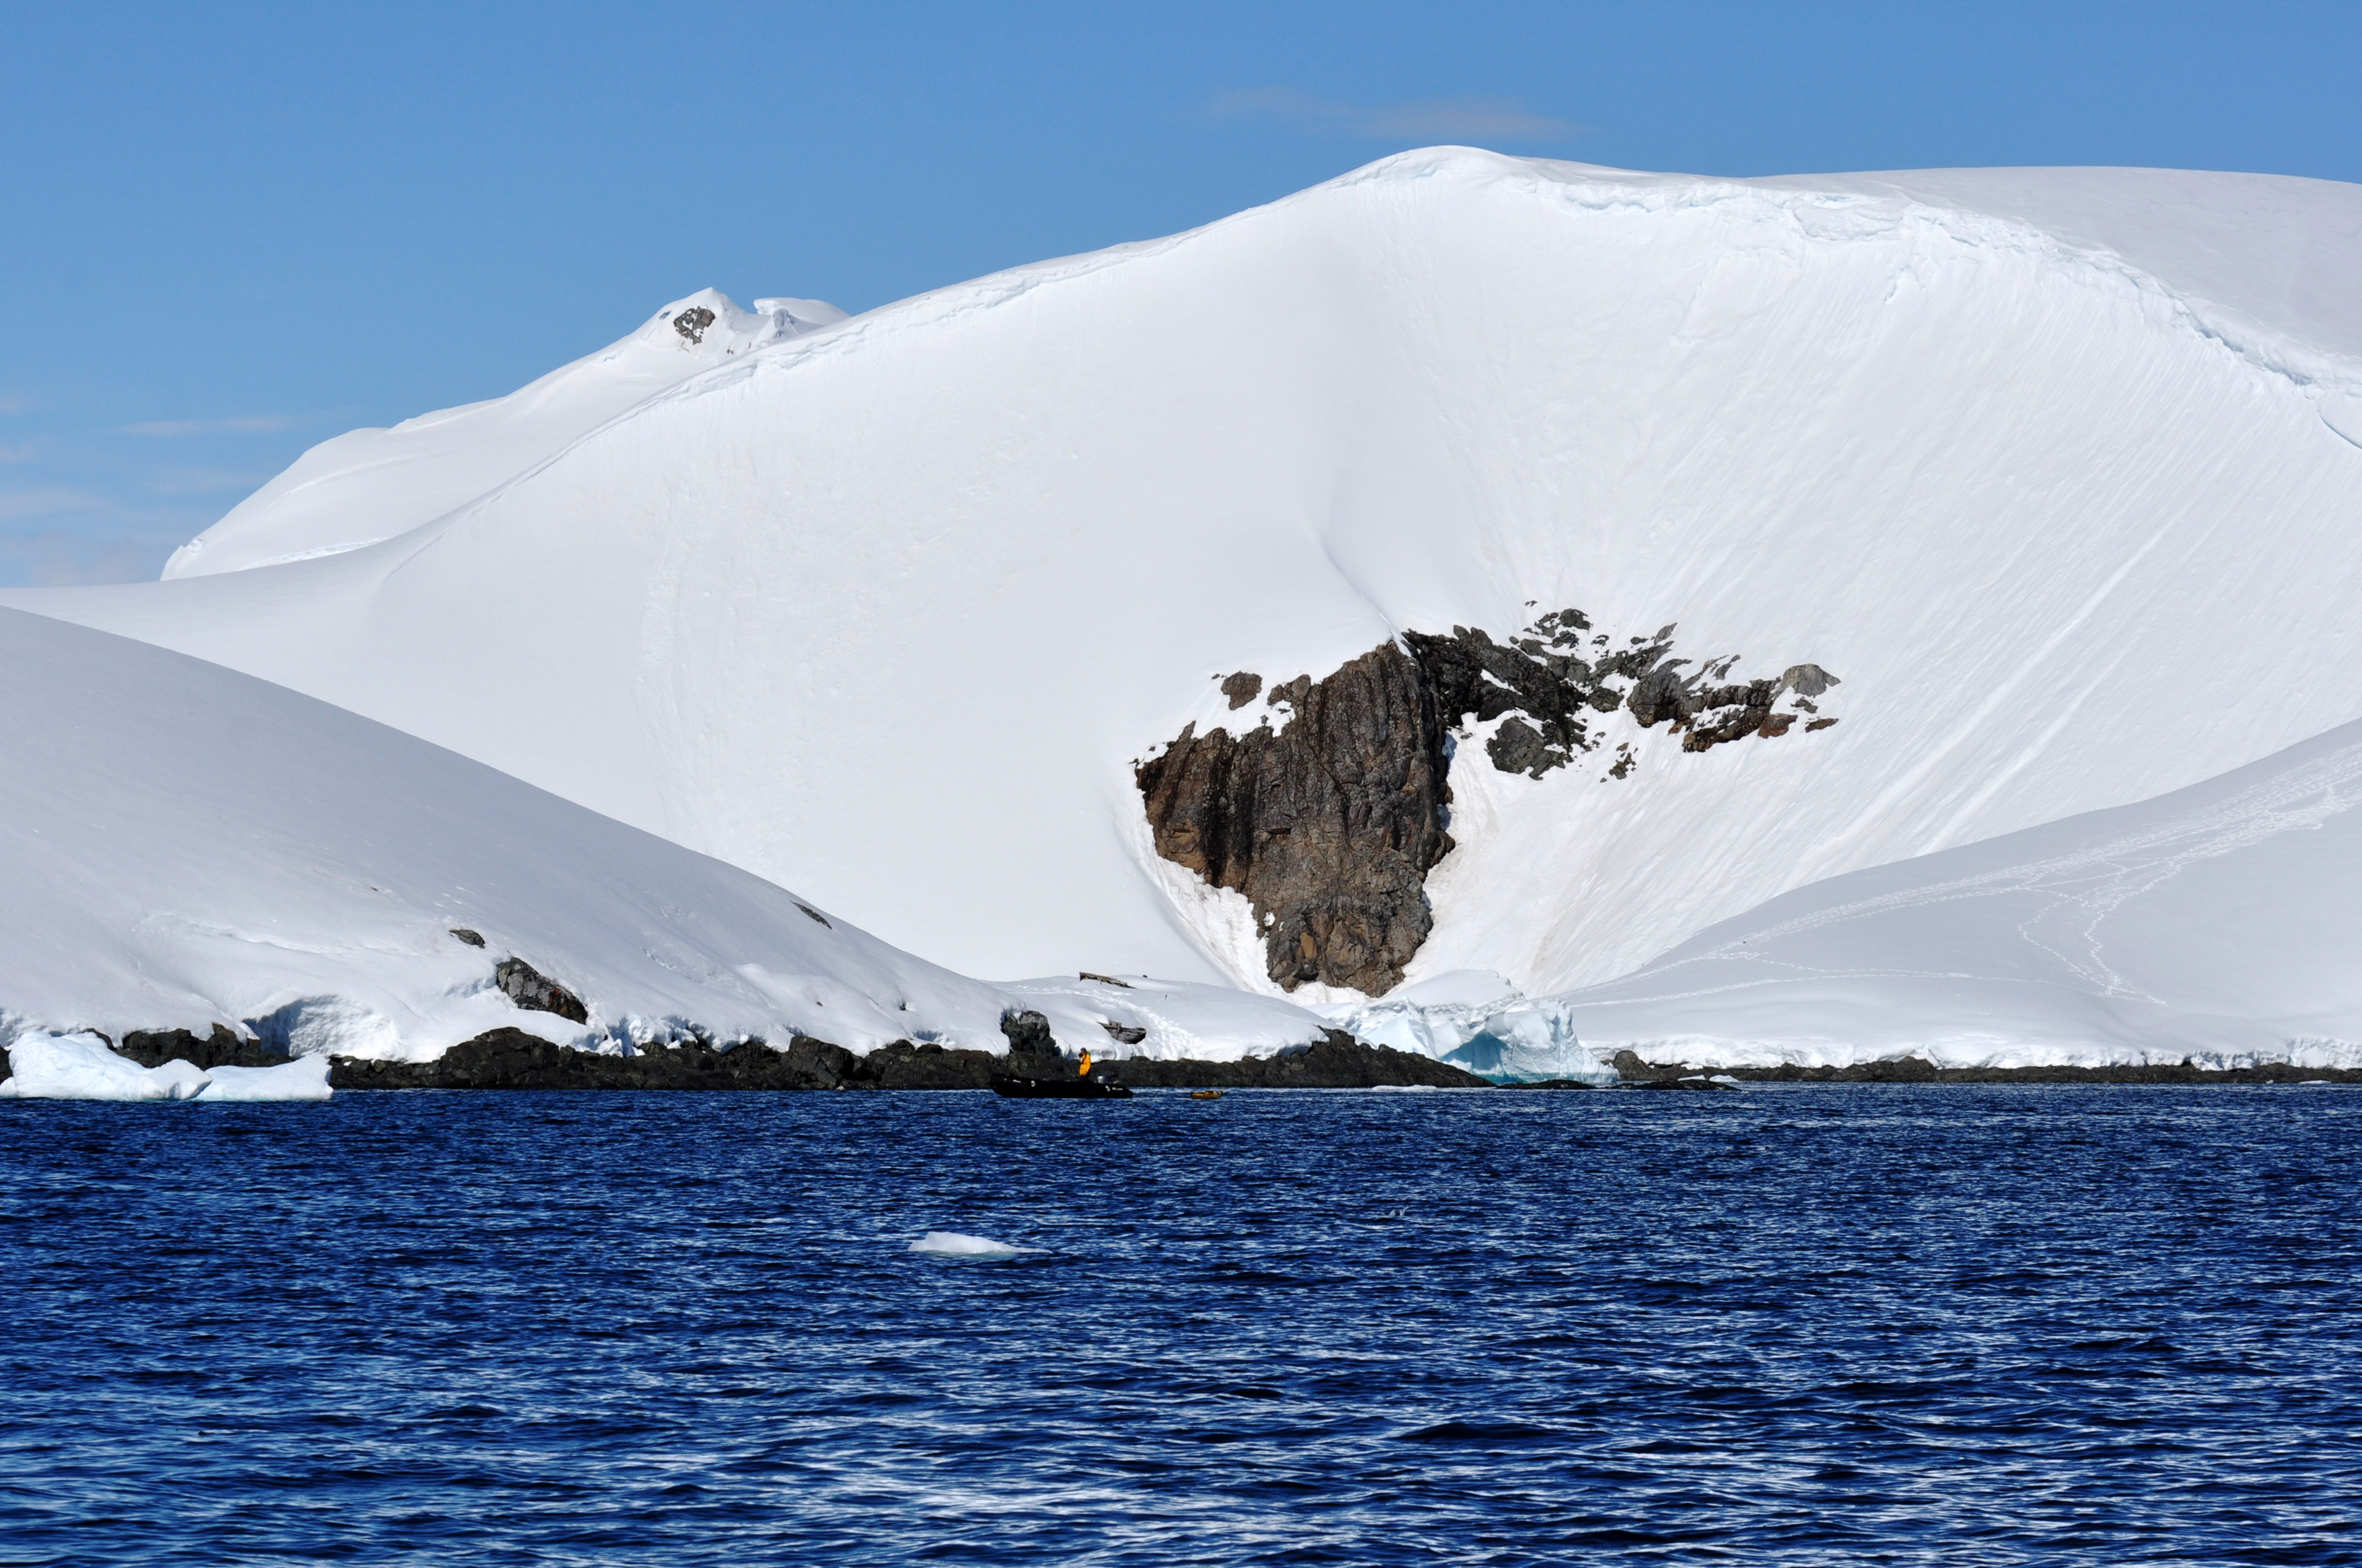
[(1327, 826)]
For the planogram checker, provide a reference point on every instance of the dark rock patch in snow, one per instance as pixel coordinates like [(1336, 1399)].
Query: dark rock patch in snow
[(1558, 676), (536, 992), (1029, 1034), (221, 1048), (1327, 826)]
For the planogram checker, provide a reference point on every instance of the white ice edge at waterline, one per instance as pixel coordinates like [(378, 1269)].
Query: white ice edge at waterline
[(83, 1067)]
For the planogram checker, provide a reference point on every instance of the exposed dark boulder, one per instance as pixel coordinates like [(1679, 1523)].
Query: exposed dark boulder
[(536, 992), (220, 1048), (1029, 1034), (1327, 825), (1242, 689)]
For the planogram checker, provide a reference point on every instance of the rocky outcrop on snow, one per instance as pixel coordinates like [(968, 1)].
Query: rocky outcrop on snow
[(1556, 681), (536, 992), (223, 1047), (1327, 825), (1329, 822)]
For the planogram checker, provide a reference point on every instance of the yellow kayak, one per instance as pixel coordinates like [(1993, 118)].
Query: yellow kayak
[(1205, 1094)]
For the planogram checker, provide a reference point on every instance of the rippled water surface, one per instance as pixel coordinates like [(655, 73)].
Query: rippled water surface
[(1814, 1324)]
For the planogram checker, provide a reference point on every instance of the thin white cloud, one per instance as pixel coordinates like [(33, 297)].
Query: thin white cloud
[(1478, 120), (202, 482), (237, 424), (24, 454), (11, 403), (57, 501), (54, 560)]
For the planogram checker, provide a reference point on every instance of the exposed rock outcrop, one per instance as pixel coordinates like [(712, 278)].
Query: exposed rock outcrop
[(1029, 1034), (1337, 1061), (1329, 820), (536, 992), (220, 1048), (1327, 825), (1553, 683), (512, 1059)]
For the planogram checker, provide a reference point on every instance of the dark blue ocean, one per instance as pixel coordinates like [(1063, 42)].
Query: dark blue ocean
[(1812, 1325)]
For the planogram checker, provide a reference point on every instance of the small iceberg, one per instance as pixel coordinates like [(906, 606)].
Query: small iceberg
[(1475, 1019), (83, 1067), (957, 1245)]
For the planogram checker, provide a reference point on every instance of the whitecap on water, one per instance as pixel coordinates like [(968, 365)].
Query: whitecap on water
[(956, 1244)]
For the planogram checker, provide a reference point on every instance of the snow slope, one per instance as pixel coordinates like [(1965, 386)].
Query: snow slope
[(182, 846), (368, 485), (2216, 924), (2047, 465)]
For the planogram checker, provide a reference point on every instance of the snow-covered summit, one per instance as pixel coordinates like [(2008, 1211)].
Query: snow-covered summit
[(368, 485), (2057, 469)]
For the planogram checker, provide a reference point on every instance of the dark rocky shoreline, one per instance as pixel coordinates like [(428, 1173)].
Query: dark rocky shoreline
[(512, 1059), (1632, 1070)]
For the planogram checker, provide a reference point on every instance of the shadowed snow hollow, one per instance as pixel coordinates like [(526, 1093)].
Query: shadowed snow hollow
[(2045, 465)]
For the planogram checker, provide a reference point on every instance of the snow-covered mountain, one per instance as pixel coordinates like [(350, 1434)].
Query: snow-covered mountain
[(186, 847), (2214, 924), (2045, 485), (368, 485)]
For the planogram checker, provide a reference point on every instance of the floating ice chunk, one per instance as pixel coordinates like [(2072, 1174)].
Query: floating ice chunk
[(955, 1244), (81, 1066), (305, 1078)]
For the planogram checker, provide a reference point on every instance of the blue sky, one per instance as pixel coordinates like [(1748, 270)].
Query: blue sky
[(226, 233)]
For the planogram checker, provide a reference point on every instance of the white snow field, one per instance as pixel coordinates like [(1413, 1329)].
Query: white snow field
[(368, 485), (2060, 470), (183, 845), (2215, 925)]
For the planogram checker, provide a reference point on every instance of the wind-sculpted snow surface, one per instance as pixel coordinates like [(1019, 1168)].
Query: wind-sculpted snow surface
[(185, 847), (2047, 465), (368, 485), (2215, 924)]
